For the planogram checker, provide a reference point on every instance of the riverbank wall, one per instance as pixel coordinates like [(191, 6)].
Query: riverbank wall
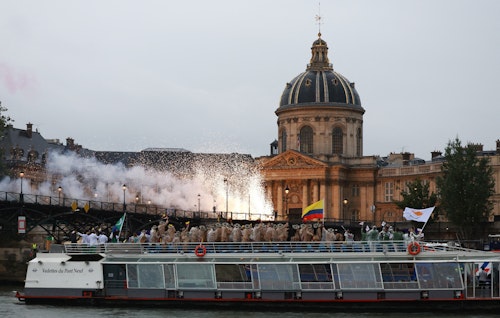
[(13, 263)]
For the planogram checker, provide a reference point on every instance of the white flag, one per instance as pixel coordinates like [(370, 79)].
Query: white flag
[(420, 215)]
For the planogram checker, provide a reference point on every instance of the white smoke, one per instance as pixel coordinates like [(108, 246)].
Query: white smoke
[(89, 179)]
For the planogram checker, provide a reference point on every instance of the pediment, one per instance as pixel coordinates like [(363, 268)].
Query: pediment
[(291, 159)]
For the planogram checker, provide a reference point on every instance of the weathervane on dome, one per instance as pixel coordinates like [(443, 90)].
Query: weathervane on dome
[(318, 19)]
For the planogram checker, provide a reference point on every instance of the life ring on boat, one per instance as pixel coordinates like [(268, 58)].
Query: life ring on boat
[(200, 250), (414, 248)]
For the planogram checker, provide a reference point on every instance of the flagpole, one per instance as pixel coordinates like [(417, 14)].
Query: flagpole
[(124, 187), (324, 213), (425, 224)]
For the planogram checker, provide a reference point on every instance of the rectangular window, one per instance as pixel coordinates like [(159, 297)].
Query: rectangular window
[(168, 269), (278, 276), (399, 275), (316, 276), (359, 276), (354, 215), (355, 190), (233, 276), (195, 276), (439, 275), (388, 191), (145, 276)]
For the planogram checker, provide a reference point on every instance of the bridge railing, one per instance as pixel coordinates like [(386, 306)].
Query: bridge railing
[(132, 207)]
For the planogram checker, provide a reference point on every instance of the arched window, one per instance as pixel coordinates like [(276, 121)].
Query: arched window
[(283, 140), (337, 141), (359, 142), (306, 140)]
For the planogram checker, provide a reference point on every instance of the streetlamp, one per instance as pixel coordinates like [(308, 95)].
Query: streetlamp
[(345, 202), (21, 197), (124, 187), (287, 190), (227, 193), (199, 210), (59, 190)]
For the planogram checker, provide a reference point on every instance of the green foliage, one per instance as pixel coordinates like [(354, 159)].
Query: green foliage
[(418, 196), (465, 188), (4, 121)]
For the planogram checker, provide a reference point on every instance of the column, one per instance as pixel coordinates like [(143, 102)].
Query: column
[(305, 194)]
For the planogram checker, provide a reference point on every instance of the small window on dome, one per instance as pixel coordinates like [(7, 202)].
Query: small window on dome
[(335, 81), (308, 82)]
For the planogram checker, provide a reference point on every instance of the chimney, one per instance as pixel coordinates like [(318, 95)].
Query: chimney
[(406, 158), (29, 130), (435, 153), (477, 147), (70, 142)]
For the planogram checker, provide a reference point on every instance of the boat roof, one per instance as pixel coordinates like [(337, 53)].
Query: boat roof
[(297, 252)]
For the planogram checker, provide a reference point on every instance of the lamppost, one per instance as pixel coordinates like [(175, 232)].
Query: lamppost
[(124, 187), (21, 197), (287, 190), (227, 194), (345, 202), (59, 190), (199, 210)]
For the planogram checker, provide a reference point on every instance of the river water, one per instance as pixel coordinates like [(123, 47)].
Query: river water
[(11, 307)]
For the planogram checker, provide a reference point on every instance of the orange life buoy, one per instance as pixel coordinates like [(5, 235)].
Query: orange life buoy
[(413, 248), (200, 250)]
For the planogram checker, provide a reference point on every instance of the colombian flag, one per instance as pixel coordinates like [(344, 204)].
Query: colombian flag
[(314, 211)]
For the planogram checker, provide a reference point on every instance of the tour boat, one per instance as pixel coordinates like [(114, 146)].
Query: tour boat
[(333, 276)]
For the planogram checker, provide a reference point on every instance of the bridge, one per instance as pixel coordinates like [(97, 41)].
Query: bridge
[(22, 214)]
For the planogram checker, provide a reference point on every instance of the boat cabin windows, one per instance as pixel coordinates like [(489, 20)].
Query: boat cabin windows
[(145, 276), (289, 276), (278, 277), (316, 276), (169, 274), (399, 275), (359, 276), (196, 276), (233, 276), (439, 275)]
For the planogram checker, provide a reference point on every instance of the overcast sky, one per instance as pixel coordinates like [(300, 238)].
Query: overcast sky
[(207, 76)]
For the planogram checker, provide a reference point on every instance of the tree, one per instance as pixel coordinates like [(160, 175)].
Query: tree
[(465, 188), (418, 196), (4, 121)]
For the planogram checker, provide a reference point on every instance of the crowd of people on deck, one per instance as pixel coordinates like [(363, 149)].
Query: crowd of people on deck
[(388, 233), (166, 233)]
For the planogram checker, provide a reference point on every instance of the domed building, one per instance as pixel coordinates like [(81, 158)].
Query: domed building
[(319, 151), (320, 111), (319, 155)]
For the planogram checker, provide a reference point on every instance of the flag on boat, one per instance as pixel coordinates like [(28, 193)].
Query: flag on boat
[(485, 266), (314, 211), (119, 223), (420, 215)]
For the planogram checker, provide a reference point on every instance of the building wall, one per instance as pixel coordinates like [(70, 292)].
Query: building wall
[(358, 180), (322, 120)]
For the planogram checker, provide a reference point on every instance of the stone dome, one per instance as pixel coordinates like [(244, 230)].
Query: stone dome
[(320, 84)]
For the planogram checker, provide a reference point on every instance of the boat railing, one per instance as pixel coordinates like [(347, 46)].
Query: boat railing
[(201, 249)]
